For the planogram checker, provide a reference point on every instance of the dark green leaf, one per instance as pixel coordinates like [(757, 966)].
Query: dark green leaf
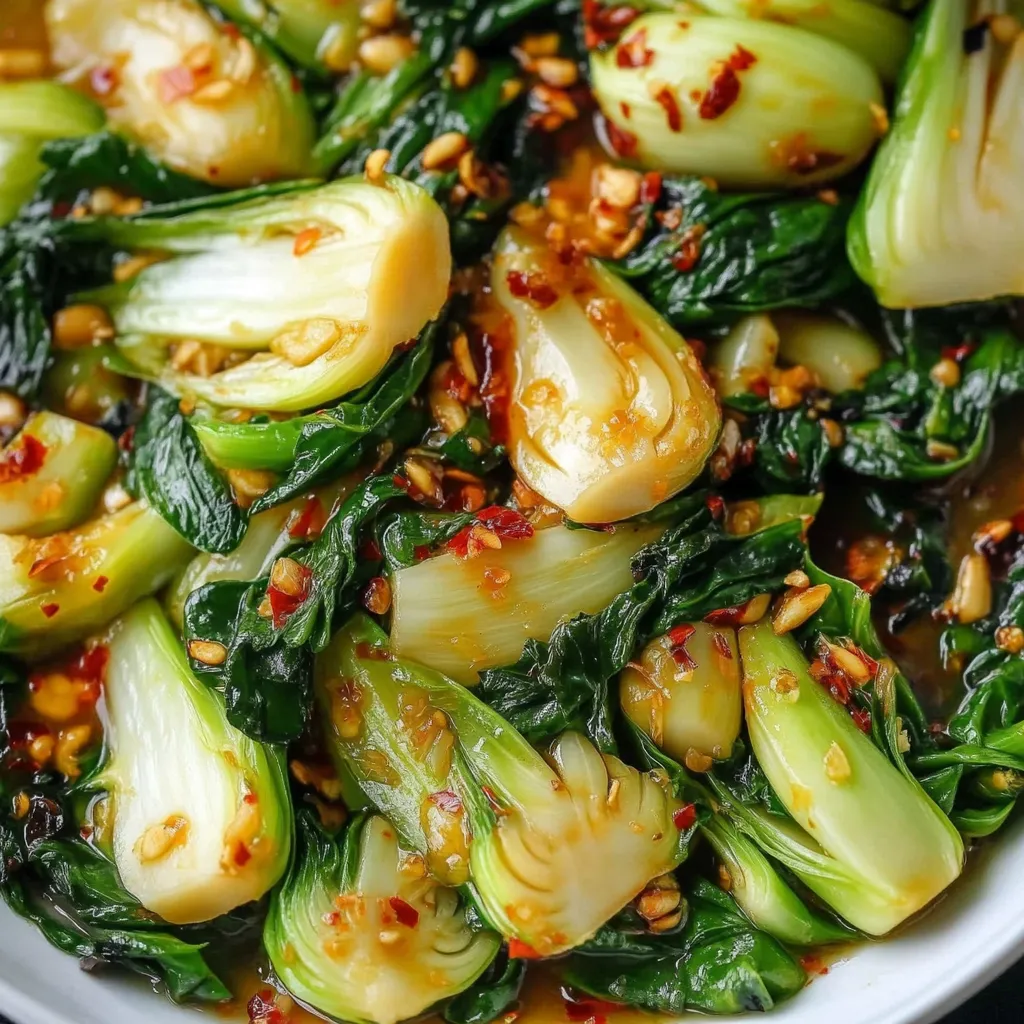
[(491, 995), (169, 468)]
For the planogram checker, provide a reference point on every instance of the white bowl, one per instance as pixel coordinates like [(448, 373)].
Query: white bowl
[(915, 978)]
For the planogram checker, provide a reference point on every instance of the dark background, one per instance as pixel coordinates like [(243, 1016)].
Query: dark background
[(1001, 1003)]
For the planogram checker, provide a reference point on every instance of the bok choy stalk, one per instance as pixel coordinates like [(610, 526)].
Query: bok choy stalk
[(750, 103), (52, 473), (880, 36), (939, 221), (203, 98), (319, 34), (554, 844), (359, 931), (322, 284), (58, 589), (684, 691), (610, 411), (867, 840), (189, 845), (499, 597), (31, 113)]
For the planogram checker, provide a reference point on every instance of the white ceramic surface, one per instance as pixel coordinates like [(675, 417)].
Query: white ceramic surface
[(962, 944)]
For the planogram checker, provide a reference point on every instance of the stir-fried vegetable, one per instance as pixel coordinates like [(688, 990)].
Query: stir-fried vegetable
[(360, 931), (201, 814), (30, 114), (870, 842), (213, 103), (749, 103), (317, 287), (610, 411), (57, 589), (499, 595), (554, 844), (940, 219), (51, 475)]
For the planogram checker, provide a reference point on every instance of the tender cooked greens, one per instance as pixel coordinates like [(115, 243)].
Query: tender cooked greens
[(871, 843), (359, 931), (684, 691), (939, 220), (213, 103), (320, 34), (201, 814), (749, 103), (881, 37), (316, 286), (52, 474), (57, 589), (610, 412), (554, 844), (31, 113), (498, 598)]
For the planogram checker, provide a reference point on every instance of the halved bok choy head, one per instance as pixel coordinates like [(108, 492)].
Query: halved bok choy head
[(58, 589), (203, 98), (610, 411), (555, 843), (361, 932), (52, 474), (498, 596), (32, 113), (867, 839), (201, 814), (749, 102), (304, 295), (941, 219)]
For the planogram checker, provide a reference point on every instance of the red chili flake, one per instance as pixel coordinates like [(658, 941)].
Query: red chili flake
[(604, 24), (722, 646), (666, 99), (296, 84), (310, 520), (126, 440), (231, 30), (746, 452), (1017, 521), (176, 83), (283, 605), (716, 506), (958, 353), (677, 637), (519, 950), (802, 160), (633, 52), (49, 610), (91, 664), (862, 719), (420, 552), (623, 142), (447, 801), (741, 59), (368, 652), (400, 481), (263, 1010), (492, 799), (507, 523), (24, 460), (251, 799), (104, 80), (627, 110), (687, 256), (650, 187), (100, 584), (723, 93), (242, 855), (685, 817), (371, 551), (407, 915), (532, 287)]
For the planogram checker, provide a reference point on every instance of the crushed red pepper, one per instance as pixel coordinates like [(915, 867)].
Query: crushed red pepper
[(533, 287), (23, 460), (685, 817), (406, 914), (666, 99), (634, 52)]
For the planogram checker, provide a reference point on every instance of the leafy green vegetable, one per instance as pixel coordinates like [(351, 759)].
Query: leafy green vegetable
[(694, 568), (169, 468), (491, 995), (754, 252), (311, 450), (718, 963), (265, 676)]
